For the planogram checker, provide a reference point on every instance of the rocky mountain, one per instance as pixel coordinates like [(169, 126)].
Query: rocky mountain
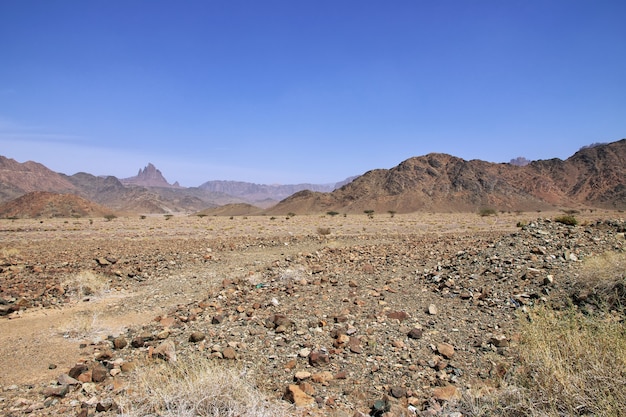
[(594, 176), (38, 204), (149, 176), (111, 192), (17, 179), (256, 193)]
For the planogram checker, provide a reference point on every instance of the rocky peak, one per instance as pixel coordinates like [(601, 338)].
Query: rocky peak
[(149, 176)]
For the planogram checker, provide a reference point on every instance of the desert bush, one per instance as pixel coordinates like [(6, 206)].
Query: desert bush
[(567, 219), (196, 386), (392, 213), (109, 217), (323, 231), (332, 213), (487, 211), (370, 213)]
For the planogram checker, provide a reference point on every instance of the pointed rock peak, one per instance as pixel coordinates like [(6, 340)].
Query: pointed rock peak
[(149, 176)]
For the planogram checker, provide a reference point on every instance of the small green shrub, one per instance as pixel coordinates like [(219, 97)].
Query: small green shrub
[(568, 220), (487, 211), (332, 213), (109, 217)]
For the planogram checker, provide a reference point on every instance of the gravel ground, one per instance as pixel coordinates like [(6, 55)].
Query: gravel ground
[(340, 315)]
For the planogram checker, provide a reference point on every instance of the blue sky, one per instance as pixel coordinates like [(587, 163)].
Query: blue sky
[(305, 91)]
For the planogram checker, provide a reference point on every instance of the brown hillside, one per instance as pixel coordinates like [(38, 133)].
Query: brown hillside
[(593, 177), (19, 178), (44, 204)]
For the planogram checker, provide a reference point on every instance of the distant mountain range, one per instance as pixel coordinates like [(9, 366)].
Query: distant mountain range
[(147, 192), (595, 176)]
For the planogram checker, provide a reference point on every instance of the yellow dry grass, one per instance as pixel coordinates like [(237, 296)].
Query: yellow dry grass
[(571, 363), (196, 386)]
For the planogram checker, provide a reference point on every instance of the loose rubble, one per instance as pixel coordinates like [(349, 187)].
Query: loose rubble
[(373, 325)]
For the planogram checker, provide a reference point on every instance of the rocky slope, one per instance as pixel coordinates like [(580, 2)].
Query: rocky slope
[(42, 204), (17, 179), (593, 177)]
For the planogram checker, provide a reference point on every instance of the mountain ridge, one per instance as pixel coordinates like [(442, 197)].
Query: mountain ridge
[(594, 176)]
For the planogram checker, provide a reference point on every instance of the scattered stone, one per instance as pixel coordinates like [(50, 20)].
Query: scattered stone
[(317, 358), (398, 392), (119, 343), (432, 310), (106, 405), (166, 351), (446, 393), (446, 350), (77, 370), (56, 391), (229, 353), (322, 377), (99, 373), (398, 315), (499, 341), (196, 337), (299, 398), (415, 333), (65, 379), (302, 375)]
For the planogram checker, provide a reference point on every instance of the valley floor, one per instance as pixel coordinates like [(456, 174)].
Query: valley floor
[(339, 315)]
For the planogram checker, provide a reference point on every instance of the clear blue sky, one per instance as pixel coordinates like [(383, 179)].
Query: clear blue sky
[(308, 90)]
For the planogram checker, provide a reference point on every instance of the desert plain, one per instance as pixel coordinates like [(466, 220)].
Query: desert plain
[(330, 315)]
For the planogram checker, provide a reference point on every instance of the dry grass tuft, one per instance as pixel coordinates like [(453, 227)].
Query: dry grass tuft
[(602, 281), (85, 284), (195, 386), (571, 363)]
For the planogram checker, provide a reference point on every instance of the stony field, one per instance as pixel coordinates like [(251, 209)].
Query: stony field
[(326, 315)]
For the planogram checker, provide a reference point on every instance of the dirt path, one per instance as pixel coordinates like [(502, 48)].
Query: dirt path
[(36, 339)]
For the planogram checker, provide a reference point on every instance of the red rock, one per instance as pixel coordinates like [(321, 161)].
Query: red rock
[(229, 353), (99, 373), (415, 333), (446, 350), (119, 343), (317, 358), (446, 393), (298, 397), (398, 315)]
